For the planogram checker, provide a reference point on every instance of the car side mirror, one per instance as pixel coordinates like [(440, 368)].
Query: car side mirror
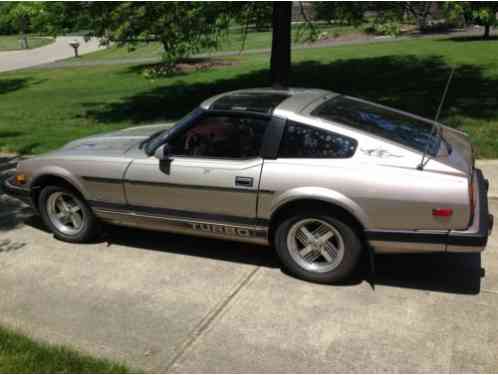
[(163, 153)]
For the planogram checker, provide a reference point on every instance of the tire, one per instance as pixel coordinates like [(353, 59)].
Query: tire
[(66, 228), (343, 238)]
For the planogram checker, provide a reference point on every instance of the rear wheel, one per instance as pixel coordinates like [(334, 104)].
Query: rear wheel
[(317, 247), (67, 214)]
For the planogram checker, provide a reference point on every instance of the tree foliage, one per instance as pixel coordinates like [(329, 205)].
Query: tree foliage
[(183, 28), (21, 17), (351, 13), (254, 14), (478, 12), (484, 13)]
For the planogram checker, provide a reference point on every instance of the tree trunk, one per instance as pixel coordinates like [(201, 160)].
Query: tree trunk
[(281, 44), (487, 29), (23, 38)]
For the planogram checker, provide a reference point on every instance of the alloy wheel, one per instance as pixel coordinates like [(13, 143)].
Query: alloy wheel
[(65, 213), (315, 245)]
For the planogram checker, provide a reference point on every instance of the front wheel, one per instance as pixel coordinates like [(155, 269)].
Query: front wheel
[(67, 214), (317, 247)]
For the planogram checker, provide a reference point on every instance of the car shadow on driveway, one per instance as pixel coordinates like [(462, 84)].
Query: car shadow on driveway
[(438, 272)]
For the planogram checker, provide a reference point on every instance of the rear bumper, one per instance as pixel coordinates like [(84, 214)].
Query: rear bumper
[(20, 192), (475, 238), (471, 240)]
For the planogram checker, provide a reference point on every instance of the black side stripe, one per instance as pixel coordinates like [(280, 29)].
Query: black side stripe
[(399, 236), (168, 212), (195, 187), (430, 238), (103, 180), (166, 184)]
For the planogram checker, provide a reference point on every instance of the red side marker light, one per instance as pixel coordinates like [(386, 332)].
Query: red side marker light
[(442, 212)]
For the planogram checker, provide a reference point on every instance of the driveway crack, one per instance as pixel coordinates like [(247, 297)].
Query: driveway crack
[(207, 321)]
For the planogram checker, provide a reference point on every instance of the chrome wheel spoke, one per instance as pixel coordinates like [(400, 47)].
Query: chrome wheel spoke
[(326, 255), (312, 256), (305, 233), (301, 237), (75, 209), (324, 238), (60, 215), (76, 220), (60, 205), (308, 249), (331, 250), (321, 230)]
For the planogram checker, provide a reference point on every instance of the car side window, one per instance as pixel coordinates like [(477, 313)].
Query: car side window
[(217, 136), (303, 141)]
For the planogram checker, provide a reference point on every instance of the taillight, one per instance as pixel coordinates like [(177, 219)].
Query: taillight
[(442, 212)]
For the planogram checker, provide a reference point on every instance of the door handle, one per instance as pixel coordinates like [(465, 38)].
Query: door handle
[(244, 181)]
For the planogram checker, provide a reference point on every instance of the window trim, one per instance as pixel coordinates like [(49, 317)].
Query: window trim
[(355, 141), (207, 113)]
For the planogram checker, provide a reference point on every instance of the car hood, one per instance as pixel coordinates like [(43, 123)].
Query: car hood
[(112, 144)]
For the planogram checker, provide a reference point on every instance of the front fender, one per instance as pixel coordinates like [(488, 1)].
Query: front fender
[(59, 172)]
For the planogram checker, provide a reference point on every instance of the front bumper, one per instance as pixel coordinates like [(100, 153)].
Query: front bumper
[(475, 238), (20, 192)]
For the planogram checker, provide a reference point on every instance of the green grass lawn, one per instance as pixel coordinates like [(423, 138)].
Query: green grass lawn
[(43, 109), (11, 42), (19, 354), (232, 42)]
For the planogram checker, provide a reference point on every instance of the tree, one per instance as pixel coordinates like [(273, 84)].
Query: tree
[(280, 61), (183, 28), (484, 13), (420, 10), (340, 12), (256, 14), (480, 12), (21, 15)]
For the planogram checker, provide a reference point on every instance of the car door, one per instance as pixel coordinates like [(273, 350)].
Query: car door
[(213, 173)]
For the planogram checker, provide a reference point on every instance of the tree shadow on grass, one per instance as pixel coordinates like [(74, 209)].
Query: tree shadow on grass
[(8, 85), (408, 82), (12, 84)]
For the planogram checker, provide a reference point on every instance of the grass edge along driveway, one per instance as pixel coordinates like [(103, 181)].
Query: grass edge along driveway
[(20, 354)]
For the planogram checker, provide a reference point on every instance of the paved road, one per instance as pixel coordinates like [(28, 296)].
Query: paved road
[(60, 49), (162, 302)]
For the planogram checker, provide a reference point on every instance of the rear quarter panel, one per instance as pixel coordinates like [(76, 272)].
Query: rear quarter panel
[(381, 196)]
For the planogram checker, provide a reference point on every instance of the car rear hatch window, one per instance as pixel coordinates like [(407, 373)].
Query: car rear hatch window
[(380, 121)]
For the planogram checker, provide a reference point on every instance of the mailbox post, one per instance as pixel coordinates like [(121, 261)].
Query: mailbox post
[(75, 44)]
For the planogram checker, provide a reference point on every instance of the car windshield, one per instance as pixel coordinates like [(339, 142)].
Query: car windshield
[(157, 139), (394, 126)]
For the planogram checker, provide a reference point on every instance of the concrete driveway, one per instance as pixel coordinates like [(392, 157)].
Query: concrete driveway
[(161, 302), (60, 49)]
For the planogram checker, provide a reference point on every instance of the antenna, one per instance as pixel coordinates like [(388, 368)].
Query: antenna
[(435, 126)]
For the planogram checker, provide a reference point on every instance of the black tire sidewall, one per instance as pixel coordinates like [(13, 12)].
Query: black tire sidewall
[(352, 243), (90, 224)]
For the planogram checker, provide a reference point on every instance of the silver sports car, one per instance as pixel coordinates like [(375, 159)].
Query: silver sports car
[(321, 177)]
